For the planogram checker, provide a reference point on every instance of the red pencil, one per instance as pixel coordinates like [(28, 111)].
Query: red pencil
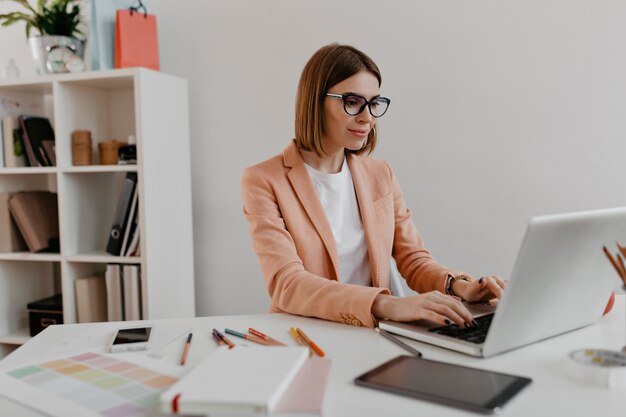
[(265, 337)]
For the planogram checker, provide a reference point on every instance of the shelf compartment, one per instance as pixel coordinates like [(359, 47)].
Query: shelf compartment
[(22, 283), (105, 107), (87, 210)]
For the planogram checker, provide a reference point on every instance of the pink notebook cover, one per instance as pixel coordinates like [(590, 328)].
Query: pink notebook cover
[(305, 394)]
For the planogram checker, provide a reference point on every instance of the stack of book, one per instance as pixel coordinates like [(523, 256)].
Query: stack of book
[(124, 234)]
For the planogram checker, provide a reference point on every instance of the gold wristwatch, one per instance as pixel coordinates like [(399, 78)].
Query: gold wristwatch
[(452, 279)]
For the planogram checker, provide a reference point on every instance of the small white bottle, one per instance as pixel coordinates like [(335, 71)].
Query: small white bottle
[(11, 70)]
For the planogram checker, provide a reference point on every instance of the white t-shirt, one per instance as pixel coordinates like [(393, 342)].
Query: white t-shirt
[(338, 197)]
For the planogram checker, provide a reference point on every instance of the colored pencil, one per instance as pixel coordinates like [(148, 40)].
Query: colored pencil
[(622, 249), (183, 358), (224, 339), (219, 341), (311, 343), (251, 338), (613, 262), (622, 267), (265, 337), (300, 340)]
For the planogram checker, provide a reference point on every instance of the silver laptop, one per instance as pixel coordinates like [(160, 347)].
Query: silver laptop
[(561, 281)]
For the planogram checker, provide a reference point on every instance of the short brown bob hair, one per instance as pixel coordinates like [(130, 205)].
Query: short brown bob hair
[(330, 65)]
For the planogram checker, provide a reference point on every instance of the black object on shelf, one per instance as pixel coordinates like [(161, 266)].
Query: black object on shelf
[(45, 312), (127, 154)]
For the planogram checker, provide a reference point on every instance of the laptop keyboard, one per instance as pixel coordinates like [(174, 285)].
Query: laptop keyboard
[(476, 334)]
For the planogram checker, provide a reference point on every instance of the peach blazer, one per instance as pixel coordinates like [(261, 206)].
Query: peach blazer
[(296, 248)]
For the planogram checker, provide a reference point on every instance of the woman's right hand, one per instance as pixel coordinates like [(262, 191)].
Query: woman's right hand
[(433, 306)]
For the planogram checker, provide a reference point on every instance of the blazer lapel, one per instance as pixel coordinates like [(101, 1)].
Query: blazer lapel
[(305, 190), (368, 215)]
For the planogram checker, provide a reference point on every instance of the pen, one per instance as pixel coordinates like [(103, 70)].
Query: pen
[(183, 359), (248, 337), (300, 340), (311, 343), (398, 342), (223, 338), (265, 337)]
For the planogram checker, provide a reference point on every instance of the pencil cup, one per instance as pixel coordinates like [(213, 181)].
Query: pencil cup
[(108, 151), (81, 147)]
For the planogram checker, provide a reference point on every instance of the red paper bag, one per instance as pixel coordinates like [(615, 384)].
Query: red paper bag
[(136, 43)]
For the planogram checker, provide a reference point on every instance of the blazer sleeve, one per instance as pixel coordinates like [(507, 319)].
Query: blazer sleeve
[(291, 287), (415, 263)]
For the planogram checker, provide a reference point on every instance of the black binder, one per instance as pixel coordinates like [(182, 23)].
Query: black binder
[(122, 214)]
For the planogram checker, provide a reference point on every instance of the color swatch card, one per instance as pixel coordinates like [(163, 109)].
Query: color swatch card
[(90, 384)]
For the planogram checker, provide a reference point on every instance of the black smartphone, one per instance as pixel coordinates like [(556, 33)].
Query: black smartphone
[(131, 339), (454, 385)]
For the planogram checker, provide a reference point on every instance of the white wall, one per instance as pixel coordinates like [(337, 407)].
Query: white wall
[(500, 110)]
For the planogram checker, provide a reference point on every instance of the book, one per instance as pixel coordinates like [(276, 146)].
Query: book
[(11, 239), (37, 217), (132, 292), (124, 202), (133, 247), (13, 143), (240, 380), (115, 305), (35, 131), (91, 299), (305, 395), (130, 224)]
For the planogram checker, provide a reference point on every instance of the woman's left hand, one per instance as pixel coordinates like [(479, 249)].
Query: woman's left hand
[(484, 289)]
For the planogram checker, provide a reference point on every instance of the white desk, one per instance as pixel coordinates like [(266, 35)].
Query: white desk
[(355, 350)]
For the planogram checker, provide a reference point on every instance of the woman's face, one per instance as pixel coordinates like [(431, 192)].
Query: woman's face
[(342, 131)]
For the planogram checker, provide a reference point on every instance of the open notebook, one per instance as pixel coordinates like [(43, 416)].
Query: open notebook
[(243, 380)]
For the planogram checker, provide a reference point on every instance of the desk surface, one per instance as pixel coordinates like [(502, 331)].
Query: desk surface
[(356, 350)]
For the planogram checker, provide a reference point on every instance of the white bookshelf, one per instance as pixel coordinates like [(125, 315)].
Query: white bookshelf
[(114, 104)]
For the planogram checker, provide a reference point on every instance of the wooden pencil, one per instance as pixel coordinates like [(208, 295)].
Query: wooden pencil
[(613, 262)]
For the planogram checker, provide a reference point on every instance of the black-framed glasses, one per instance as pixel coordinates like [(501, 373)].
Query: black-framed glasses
[(354, 104)]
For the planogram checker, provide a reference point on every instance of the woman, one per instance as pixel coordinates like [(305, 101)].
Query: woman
[(325, 219)]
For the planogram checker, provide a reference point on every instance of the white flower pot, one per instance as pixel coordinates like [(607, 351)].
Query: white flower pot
[(56, 54)]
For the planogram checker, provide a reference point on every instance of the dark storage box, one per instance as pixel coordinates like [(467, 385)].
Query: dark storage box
[(45, 312)]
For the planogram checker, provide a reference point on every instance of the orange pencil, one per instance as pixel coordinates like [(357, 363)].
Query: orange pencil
[(311, 343), (622, 249), (300, 340), (608, 255), (622, 268), (183, 359)]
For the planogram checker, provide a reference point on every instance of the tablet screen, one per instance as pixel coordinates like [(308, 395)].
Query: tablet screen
[(450, 384)]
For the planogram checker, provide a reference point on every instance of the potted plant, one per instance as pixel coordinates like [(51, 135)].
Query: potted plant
[(56, 47)]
